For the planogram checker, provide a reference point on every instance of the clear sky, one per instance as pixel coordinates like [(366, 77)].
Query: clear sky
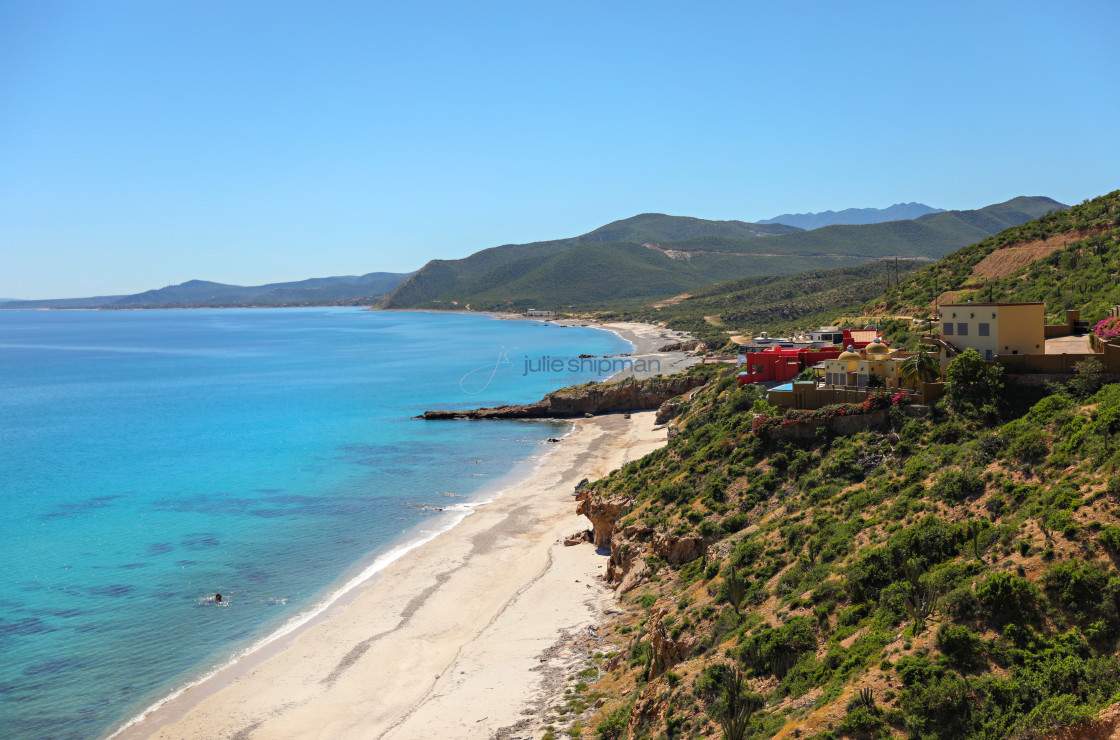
[(146, 143)]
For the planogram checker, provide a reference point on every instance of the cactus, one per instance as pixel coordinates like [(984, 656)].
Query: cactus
[(736, 590), (920, 604), (977, 548), (738, 705), (866, 697)]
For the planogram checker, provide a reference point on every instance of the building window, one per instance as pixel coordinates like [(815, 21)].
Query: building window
[(984, 329), (947, 328), (988, 354), (861, 380), (962, 329)]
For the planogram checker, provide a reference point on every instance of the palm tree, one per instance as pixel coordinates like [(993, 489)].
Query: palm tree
[(923, 366)]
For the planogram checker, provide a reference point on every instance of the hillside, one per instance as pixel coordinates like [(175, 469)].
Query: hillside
[(776, 303), (944, 573), (653, 256), (853, 216), (454, 283), (1068, 259), (349, 289)]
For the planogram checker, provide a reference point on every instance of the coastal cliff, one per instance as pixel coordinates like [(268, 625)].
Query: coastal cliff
[(592, 398)]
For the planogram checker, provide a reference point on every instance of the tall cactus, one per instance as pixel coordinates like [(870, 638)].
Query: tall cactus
[(736, 589), (738, 705)]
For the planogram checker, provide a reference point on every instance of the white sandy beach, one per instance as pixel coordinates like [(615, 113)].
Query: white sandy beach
[(451, 640)]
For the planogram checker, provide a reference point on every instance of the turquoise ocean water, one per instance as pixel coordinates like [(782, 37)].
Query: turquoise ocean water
[(149, 459)]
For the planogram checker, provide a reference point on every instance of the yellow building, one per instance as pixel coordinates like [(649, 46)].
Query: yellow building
[(852, 370), (994, 329)]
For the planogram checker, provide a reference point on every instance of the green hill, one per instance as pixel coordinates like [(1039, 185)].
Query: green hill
[(654, 256), (934, 576), (1067, 259), (657, 227)]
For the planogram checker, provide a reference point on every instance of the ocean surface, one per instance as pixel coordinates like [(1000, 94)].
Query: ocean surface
[(149, 459)]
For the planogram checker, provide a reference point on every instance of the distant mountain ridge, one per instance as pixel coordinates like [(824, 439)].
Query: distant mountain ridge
[(853, 216), (343, 289), (653, 256)]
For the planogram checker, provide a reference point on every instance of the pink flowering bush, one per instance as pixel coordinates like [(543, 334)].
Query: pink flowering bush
[(1108, 329), (874, 402)]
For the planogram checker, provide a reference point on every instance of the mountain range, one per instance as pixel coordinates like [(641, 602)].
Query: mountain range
[(652, 256), (853, 216), (339, 290), (629, 262)]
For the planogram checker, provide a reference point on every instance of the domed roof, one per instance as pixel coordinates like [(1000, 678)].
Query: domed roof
[(849, 354), (877, 347)]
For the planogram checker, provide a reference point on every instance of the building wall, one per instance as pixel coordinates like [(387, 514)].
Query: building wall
[(1021, 329), (994, 329)]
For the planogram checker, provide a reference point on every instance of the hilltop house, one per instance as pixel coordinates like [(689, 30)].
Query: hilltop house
[(830, 334), (1015, 336), (1012, 334), (993, 329), (779, 364), (853, 370)]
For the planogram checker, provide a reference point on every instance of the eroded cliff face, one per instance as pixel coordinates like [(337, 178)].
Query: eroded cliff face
[(604, 514), (631, 546), (593, 398)]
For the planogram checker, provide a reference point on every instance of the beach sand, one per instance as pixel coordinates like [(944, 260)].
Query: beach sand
[(646, 339), (455, 639)]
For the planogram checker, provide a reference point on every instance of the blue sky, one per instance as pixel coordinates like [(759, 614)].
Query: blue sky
[(148, 143)]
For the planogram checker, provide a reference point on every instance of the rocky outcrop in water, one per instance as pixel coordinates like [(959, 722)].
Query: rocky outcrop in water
[(587, 400)]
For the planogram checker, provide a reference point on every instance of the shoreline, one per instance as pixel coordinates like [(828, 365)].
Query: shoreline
[(338, 594), (463, 642)]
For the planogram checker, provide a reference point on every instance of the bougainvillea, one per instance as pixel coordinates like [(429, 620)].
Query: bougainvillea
[(1108, 329), (875, 402)]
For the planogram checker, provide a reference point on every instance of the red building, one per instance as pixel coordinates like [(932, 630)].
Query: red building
[(858, 338), (779, 364)]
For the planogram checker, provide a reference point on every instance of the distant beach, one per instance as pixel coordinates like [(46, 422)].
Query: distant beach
[(450, 640)]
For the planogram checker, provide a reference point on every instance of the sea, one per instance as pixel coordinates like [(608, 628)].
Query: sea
[(152, 459)]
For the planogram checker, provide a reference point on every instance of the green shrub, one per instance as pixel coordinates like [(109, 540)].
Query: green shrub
[(1110, 538), (1008, 598), (940, 707), (1086, 590), (862, 719), (613, 726), (961, 646), (735, 522), (956, 486), (776, 650), (1030, 447), (710, 529)]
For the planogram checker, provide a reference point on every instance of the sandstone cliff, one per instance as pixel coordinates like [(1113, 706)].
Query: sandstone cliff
[(630, 546)]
